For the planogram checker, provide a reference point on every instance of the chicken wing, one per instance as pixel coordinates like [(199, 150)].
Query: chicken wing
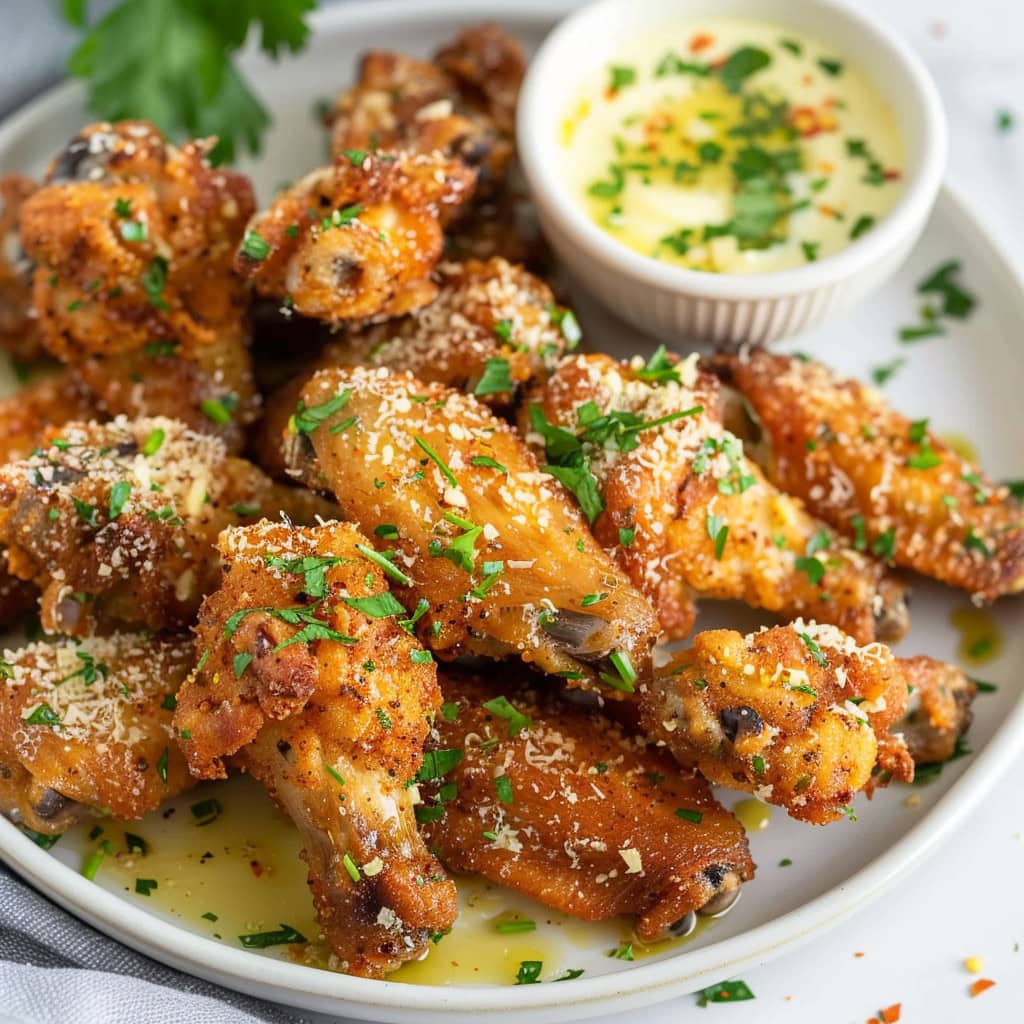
[(19, 329), (883, 480), (462, 105), (133, 241), (938, 709), (357, 239), (85, 727), (310, 683), (492, 329), (673, 497), (557, 802), (798, 715), (486, 551), (117, 522)]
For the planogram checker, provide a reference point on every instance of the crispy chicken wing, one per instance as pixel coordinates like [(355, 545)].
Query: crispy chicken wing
[(673, 497), (798, 715), (557, 802), (487, 552), (311, 684), (117, 522), (357, 239), (882, 479), (492, 329), (19, 329), (938, 710), (463, 105), (86, 727), (133, 241)]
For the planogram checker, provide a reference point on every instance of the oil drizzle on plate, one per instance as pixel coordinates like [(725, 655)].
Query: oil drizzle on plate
[(752, 814), (962, 445), (239, 872), (981, 639)]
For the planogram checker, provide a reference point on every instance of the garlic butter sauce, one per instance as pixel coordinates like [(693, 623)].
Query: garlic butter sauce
[(731, 145)]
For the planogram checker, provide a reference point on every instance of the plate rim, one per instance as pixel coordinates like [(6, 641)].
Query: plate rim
[(644, 984)]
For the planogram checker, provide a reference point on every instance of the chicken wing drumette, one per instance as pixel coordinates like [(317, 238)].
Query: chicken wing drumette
[(309, 682), (19, 329), (116, 523), (85, 727), (557, 802), (492, 329), (799, 715), (357, 239), (486, 551), (884, 480), (673, 497), (133, 241)]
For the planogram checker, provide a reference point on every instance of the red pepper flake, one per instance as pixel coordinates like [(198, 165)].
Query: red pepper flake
[(981, 985), (701, 41), (891, 1014), (256, 867), (938, 29), (858, 955), (892, 174)]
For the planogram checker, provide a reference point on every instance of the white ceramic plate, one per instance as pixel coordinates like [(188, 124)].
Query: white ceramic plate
[(968, 382)]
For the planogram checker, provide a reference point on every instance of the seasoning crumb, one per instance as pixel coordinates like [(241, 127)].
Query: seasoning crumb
[(974, 964), (981, 985)]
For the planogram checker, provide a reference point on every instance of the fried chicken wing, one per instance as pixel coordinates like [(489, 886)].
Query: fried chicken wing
[(798, 715), (85, 727), (938, 710), (462, 105), (492, 329), (882, 479), (310, 684), (557, 802), (133, 241), (19, 329), (673, 497), (117, 522), (487, 552), (357, 239)]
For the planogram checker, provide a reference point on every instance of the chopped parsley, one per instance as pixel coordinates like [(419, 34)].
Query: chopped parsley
[(725, 992), (286, 935), (496, 378), (503, 708), (254, 247)]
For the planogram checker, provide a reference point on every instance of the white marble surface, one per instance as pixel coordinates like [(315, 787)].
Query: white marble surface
[(969, 899)]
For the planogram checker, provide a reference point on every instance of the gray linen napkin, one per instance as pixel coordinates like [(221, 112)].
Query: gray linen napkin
[(56, 970)]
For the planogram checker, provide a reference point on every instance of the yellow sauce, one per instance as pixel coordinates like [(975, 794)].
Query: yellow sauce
[(244, 869), (962, 445), (981, 639), (676, 153), (752, 814)]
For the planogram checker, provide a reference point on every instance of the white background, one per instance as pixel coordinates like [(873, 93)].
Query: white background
[(969, 899)]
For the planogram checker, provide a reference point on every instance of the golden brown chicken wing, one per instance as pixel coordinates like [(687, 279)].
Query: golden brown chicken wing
[(357, 239), (487, 552), (557, 802), (85, 727), (133, 241), (492, 329), (311, 682), (883, 480), (798, 715), (462, 105), (117, 522), (938, 709), (673, 497), (19, 329)]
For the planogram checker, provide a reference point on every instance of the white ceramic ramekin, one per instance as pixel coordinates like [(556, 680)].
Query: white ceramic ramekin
[(671, 302)]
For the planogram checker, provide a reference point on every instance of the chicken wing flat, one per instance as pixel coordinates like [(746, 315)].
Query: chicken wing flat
[(938, 709), (556, 802), (487, 552), (798, 715), (882, 479), (671, 494), (357, 239), (492, 329), (462, 104), (133, 241), (310, 683), (85, 727), (19, 329), (117, 523)]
